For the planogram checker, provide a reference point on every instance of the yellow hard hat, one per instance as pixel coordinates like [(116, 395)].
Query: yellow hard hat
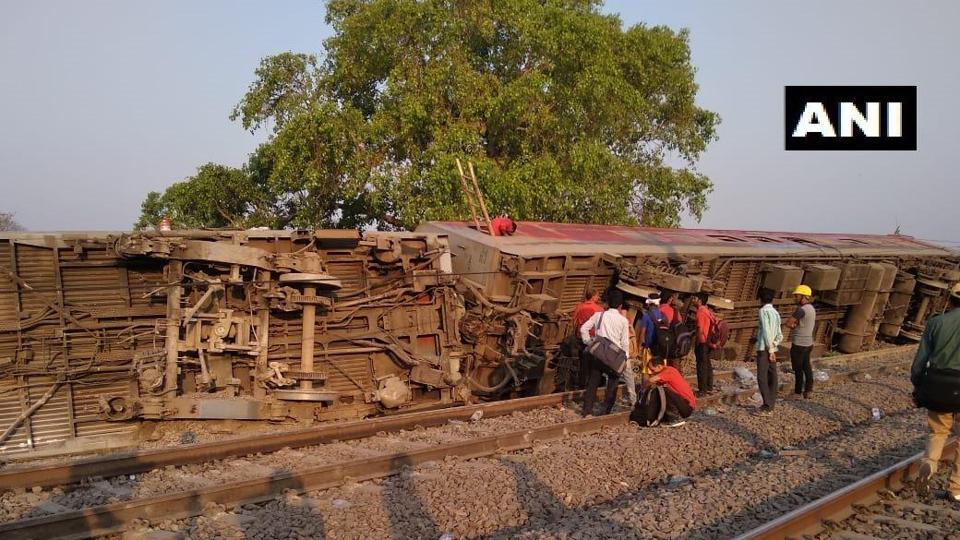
[(803, 290)]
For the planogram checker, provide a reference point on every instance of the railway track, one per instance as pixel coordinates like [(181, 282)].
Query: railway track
[(112, 518), (871, 499), (136, 462), (145, 460)]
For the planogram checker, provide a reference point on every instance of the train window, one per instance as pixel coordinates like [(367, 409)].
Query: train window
[(726, 238), (765, 239)]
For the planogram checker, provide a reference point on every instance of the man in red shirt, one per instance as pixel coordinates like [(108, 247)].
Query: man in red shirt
[(680, 398), (667, 300), (704, 319), (502, 226), (581, 314), (586, 309)]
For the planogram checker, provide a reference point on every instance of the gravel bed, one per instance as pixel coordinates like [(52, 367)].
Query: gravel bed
[(724, 471), (22, 503)]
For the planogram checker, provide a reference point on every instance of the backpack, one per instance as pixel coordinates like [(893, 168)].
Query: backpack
[(651, 406), (939, 390), (664, 337), (718, 333), (683, 341)]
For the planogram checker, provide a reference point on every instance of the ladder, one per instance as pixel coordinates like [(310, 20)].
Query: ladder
[(474, 197)]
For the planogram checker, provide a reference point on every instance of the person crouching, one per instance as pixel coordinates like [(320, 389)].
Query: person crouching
[(678, 400)]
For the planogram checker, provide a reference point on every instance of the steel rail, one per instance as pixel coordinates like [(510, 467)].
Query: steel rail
[(113, 518), (812, 518), (136, 462), (145, 460)]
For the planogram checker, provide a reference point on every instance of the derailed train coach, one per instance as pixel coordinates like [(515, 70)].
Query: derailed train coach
[(98, 329), (522, 288)]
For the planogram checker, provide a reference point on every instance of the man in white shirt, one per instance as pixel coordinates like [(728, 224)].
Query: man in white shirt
[(613, 325)]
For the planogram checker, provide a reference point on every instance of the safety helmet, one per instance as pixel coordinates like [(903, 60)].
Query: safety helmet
[(803, 290), (955, 290)]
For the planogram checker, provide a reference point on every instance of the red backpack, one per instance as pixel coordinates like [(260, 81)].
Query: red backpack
[(718, 334)]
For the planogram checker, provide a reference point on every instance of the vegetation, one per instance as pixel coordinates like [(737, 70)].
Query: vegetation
[(567, 116), (9, 223)]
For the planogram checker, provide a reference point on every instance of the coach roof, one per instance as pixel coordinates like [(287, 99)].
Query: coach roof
[(534, 238)]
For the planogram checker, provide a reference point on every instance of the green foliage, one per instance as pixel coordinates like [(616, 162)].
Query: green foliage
[(217, 196), (566, 115), (9, 223)]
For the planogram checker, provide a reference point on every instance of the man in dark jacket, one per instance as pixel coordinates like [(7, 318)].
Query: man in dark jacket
[(939, 350)]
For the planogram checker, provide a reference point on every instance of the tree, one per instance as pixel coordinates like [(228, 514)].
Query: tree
[(566, 114), (9, 223), (217, 196)]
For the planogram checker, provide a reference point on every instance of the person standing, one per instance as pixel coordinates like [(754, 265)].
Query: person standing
[(647, 326), (769, 336), (586, 308), (666, 322), (646, 330), (704, 320), (613, 325), (936, 383), (667, 301), (633, 355), (583, 311), (801, 341)]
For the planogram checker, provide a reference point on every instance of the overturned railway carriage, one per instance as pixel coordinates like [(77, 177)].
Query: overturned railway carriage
[(96, 329), (99, 330), (521, 289)]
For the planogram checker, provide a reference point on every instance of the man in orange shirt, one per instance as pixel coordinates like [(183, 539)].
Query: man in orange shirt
[(704, 318), (680, 398), (667, 301), (581, 314), (586, 308)]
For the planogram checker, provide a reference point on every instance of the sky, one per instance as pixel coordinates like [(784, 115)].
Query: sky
[(105, 100)]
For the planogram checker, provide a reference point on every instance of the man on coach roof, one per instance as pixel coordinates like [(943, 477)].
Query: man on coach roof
[(936, 382)]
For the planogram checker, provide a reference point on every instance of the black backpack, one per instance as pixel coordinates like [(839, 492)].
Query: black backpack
[(682, 342), (939, 390), (650, 407), (665, 336), (673, 339)]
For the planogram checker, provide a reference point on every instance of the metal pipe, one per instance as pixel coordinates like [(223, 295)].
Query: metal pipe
[(922, 310), (307, 338), (263, 341), (858, 320), (173, 327), (29, 412)]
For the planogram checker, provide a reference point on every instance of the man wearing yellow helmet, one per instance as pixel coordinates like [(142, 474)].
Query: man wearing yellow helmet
[(801, 340)]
